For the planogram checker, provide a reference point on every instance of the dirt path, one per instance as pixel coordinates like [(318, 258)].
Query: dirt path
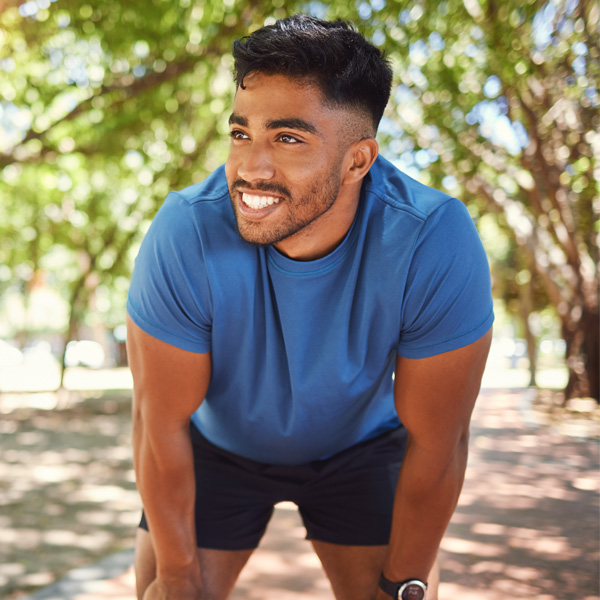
[(67, 490), (526, 526), (527, 522)]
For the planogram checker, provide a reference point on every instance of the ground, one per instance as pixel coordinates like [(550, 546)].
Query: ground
[(67, 488), (526, 525)]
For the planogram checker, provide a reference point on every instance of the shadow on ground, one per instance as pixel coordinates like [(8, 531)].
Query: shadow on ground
[(67, 488), (527, 522), (526, 526)]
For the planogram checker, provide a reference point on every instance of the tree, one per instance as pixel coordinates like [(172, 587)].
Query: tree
[(499, 103), (107, 106), (105, 110)]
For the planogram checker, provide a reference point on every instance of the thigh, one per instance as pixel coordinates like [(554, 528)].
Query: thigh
[(233, 502), (219, 568), (354, 571), (350, 503)]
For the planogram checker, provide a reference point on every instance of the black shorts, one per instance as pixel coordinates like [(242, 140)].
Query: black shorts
[(346, 499)]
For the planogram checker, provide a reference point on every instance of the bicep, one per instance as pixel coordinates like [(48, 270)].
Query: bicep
[(435, 396), (169, 383)]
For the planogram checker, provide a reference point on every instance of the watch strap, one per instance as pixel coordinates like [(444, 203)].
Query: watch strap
[(389, 587)]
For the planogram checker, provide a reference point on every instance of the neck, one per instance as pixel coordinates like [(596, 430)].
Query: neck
[(326, 232)]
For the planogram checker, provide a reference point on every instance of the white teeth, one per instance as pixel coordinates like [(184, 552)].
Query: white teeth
[(257, 202)]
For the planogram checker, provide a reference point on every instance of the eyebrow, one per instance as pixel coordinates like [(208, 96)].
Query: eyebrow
[(287, 123)]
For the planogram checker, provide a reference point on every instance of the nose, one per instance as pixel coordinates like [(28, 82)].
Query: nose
[(256, 164)]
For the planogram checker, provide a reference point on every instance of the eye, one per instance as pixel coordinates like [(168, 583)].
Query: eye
[(236, 134), (286, 138)]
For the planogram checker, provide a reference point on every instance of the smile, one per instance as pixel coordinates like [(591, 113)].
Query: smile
[(258, 202)]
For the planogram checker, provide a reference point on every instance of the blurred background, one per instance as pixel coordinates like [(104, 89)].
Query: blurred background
[(106, 106)]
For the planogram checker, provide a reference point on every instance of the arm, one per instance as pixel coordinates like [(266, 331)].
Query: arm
[(169, 384), (434, 398)]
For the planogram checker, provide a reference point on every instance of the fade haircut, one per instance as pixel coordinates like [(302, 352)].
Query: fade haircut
[(347, 69)]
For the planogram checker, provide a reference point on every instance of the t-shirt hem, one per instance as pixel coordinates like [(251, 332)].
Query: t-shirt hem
[(448, 345), (165, 336)]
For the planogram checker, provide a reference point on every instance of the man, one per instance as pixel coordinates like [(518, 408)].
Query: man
[(270, 308)]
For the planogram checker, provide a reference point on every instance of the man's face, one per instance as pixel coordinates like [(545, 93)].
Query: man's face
[(284, 168)]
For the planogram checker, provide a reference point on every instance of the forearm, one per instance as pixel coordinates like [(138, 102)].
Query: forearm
[(426, 496), (165, 478)]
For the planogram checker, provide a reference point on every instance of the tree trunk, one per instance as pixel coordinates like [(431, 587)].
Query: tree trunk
[(525, 309), (580, 332), (69, 335), (78, 300)]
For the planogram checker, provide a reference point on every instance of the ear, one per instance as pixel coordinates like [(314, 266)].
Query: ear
[(362, 155)]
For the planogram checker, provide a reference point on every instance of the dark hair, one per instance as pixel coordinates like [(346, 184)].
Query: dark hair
[(347, 68)]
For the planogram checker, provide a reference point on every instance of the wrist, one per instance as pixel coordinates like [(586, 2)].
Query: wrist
[(185, 573), (188, 585), (173, 589)]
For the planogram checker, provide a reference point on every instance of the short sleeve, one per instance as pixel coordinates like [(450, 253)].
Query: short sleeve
[(169, 297), (448, 301)]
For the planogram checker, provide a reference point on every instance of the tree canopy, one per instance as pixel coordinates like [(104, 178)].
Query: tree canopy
[(107, 106)]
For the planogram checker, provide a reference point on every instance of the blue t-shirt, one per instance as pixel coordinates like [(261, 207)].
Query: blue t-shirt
[(303, 353)]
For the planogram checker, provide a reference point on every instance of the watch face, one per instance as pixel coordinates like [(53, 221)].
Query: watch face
[(413, 592)]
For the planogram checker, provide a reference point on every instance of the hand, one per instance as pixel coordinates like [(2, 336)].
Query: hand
[(173, 590)]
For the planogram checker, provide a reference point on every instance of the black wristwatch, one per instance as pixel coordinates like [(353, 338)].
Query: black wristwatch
[(409, 589)]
